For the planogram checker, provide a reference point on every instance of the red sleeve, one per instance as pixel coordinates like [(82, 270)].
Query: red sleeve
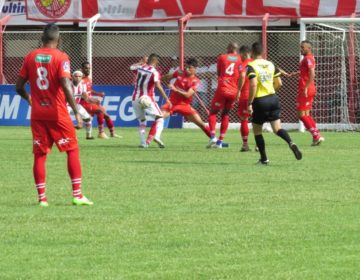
[(64, 67), (310, 61), (175, 74), (24, 73), (195, 84), (218, 67)]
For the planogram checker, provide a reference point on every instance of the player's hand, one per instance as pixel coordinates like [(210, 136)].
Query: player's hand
[(305, 92), (79, 121), (169, 103), (30, 100), (172, 87), (250, 109)]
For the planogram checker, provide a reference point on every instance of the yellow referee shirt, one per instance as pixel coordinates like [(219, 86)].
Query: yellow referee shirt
[(265, 72)]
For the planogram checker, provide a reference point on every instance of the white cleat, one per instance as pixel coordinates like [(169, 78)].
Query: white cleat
[(318, 141), (212, 143), (103, 135), (143, 146), (159, 142)]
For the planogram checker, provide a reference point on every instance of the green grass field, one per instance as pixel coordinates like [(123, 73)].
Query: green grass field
[(184, 212)]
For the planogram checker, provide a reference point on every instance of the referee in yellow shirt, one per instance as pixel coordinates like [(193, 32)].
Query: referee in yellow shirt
[(264, 103)]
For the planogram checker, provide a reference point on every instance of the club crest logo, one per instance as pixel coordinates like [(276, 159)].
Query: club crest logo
[(53, 8)]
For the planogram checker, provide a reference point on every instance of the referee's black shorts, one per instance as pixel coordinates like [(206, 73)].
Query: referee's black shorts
[(266, 109)]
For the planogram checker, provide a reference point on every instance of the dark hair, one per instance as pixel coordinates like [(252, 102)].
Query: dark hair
[(257, 49), (244, 49), (232, 46), (51, 33), (307, 42), (85, 63), (192, 61), (152, 57)]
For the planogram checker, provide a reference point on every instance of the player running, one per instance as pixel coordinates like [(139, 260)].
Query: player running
[(228, 66), (182, 91), (93, 106), (243, 97), (48, 71), (147, 78), (264, 103), (79, 89)]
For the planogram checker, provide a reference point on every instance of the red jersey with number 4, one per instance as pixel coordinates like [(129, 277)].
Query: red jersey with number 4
[(307, 63), (228, 69), (185, 83), (43, 68), (246, 87)]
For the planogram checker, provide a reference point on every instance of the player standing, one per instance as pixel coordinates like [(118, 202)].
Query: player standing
[(264, 103), (48, 71), (79, 89), (228, 66), (182, 91), (89, 102), (243, 97), (147, 78), (307, 91)]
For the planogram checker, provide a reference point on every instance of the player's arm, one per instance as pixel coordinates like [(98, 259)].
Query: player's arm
[(277, 83), (241, 83), (186, 94), (310, 80), (162, 92), (253, 86), (66, 86), (137, 65), (20, 89), (166, 78)]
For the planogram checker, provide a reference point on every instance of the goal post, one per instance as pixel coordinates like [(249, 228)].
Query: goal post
[(91, 23), (336, 48)]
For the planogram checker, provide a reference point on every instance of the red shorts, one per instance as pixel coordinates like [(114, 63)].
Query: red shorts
[(45, 133), (243, 109), (183, 109), (305, 103), (91, 108), (222, 100)]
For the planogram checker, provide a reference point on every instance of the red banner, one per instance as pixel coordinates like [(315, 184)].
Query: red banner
[(170, 10)]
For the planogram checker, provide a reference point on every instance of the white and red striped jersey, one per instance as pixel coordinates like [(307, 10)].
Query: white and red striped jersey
[(146, 77), (78, 91)]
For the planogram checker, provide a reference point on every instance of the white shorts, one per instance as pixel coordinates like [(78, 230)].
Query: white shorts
[(140, 113), (83, 113)]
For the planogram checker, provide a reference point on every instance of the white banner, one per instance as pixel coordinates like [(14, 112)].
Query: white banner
[(144, 11)]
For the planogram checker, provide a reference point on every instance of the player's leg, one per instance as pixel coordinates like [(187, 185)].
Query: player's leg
[(260, 143), (215, 107), (39, 171), (140, 115), (110, 125), (244, 124), (158, 124), (86, 117), (196, 119)]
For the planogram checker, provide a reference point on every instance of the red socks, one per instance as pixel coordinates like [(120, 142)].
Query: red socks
[(212, 125), (244, 131), (100, 120), (74, 169), (310, 125), (151, 133), (224, 126), (110, 125), (39, 175)]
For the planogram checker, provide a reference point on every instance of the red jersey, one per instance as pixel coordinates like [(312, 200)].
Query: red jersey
[(146, 78), (43, 68), (308, 62), (228, 69), (246, 87), (88, 82), (185, 83)]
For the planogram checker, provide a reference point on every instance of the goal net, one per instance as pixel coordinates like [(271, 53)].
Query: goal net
[(336, 48)]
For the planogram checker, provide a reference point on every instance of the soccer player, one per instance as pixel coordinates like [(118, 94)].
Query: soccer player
[(48, 71), (243, 97), (79, 89), (92, 105), (147, 79), (228, 66), (181, 94), (307, 91), (264, 103)]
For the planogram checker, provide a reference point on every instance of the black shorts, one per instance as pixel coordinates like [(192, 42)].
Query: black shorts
[(266, 109)]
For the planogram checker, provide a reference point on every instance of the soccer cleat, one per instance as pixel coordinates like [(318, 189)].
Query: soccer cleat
[(114, 135), (318, 141), (81, 201), (212, 142), (296, 151), (159, 142), (43, 204), (245, 148), (143, 146), (103, 135), (263, 162), (225, 145), (219, 144), (90, 138)]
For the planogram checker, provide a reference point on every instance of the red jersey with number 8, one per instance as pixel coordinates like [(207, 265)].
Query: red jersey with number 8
[(43, 68), (228, 69)]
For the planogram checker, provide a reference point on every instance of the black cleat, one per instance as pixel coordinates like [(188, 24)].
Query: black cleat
[(296, 151), (263, 162)]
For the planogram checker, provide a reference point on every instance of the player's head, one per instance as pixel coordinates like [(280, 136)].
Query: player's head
[(257, 49), (153, 59), (51, 34), (305, 47), (190, 66), (244, 52), (77, 76), (232, 47), (85, 68)]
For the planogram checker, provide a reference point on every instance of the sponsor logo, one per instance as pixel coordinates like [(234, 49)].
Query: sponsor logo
[(232, 58), (43, 58), (36, 142), (63, 141), (53, 8), (66, 66)]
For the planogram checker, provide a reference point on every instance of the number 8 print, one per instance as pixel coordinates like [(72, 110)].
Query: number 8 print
[(42, 82)]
